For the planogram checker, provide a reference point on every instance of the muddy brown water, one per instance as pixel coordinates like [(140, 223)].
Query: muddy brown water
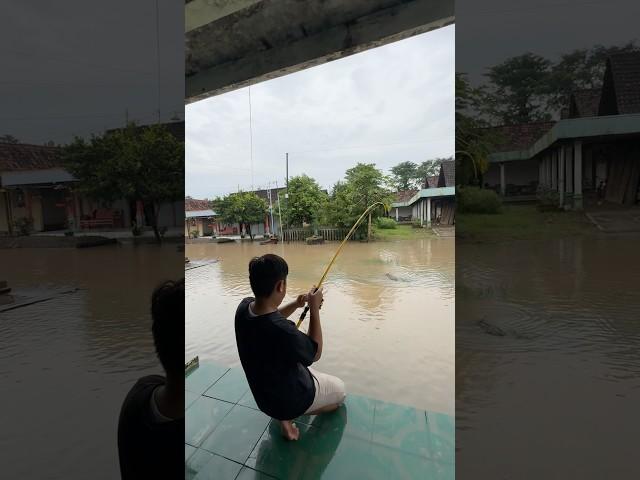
[(557, 395), (387, 318), (69, 362)]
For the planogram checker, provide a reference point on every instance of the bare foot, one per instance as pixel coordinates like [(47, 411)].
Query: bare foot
[(289, 430)]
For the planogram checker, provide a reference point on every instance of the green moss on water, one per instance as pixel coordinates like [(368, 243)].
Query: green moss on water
[(402, 232)]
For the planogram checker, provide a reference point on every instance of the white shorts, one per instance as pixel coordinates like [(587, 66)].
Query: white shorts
[(329, 390)]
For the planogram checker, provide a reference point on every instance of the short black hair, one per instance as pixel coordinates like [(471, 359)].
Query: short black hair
[(167, 312), (265, 272)]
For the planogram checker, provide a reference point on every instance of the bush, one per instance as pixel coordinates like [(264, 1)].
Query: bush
[(548, 199), (386, 223), (477, 200)]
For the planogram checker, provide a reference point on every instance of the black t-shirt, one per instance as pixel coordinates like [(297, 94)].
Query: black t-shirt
[(148, 448), (275, 356)]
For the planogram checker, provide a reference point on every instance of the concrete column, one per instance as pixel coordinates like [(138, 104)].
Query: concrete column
[(561, 171), (554, 170), (577, 174), (396, 214), (541, 179), (503, 185), (428, 212), (569, 169)]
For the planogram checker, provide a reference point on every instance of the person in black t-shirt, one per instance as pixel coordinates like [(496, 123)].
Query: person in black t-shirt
[(276, 356), (151, 424)]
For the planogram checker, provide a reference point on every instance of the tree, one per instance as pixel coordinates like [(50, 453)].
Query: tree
[(364, 184), (243, 208), (581, 69), (429, 168), (306, 201), (518, 89), (404, 175), (8, 139), (145, 164), (473, 141)]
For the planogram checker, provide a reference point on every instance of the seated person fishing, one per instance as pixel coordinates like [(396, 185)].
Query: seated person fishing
[(276, 356)]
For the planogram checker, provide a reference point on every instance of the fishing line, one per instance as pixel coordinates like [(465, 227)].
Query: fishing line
[(344, 242)]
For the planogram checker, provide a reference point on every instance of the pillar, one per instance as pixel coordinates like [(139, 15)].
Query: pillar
[(561, 171), (568, 161), (428, 212), (577, 174), (554, 170), (396, 214), (503, 186)]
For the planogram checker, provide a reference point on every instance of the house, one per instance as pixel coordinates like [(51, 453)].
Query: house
[(588, 149), (199, 218), (36, 191), (434, 203)]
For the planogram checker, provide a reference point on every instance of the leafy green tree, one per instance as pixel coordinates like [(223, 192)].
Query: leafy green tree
[(364, 184), (473, 141), (145, 164), (429, 168), (404, 175), (518, 88), (6, 138), (243, 208), (306, 202)]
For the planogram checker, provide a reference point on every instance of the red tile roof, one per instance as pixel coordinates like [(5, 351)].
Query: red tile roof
[(19, 156), (621, 85), (193, 204), (584, 103), (405, 195), (518, 137)]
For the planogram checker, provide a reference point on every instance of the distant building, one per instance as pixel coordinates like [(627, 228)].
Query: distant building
[(433, 204), (594, 147), (36, 188), (199, 218)]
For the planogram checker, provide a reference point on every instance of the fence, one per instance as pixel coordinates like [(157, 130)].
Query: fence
[(329, 234)]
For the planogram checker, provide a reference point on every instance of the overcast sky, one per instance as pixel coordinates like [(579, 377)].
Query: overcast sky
[(74, 67), (384, 106), (490, 31)]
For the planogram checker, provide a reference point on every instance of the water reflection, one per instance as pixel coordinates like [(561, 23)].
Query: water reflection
[(68, 362), (569, 356), (388, 339)]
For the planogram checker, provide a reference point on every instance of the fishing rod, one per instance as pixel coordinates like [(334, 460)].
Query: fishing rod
[(344, 242)]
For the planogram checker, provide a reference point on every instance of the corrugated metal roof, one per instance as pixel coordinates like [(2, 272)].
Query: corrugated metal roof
[(200, 213)]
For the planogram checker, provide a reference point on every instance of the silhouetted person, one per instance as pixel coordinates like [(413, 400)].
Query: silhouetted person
[(275, 355), (151, 425)]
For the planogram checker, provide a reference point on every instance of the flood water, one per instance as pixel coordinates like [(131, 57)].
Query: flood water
[(389, 337), (69, 362), (557, 392)]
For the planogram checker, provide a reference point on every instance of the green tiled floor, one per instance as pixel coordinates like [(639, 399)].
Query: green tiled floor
[(227, 437)]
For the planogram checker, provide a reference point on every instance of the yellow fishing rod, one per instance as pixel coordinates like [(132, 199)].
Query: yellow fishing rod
[(344, 242)]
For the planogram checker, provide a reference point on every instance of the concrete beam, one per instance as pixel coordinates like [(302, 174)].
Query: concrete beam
[(267, 39)]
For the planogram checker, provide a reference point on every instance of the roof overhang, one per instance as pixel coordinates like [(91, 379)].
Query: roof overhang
[(574, 129), (33, 177), (200, 213), (234, 44), (427, 193)]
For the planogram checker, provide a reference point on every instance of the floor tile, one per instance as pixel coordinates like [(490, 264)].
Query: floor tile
[(237, 434), (248, 401), (250, 474), (188, 451), (189, 398), (355, 418), (204, 465), (202, 417), (400, 427), (352, 458), (441, 437), (230, 387), (278, 457), (203, 377), (407, 466)]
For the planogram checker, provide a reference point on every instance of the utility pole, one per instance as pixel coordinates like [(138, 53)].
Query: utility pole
[(286, 195)]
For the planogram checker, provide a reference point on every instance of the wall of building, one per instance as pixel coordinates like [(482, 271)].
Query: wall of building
[(520, 172)]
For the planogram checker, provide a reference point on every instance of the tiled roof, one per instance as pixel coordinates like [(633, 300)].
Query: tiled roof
[(621, 86), (448, 174), (193, 204), (18, 156), (404, 195), (584, 103), (518, 137)]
